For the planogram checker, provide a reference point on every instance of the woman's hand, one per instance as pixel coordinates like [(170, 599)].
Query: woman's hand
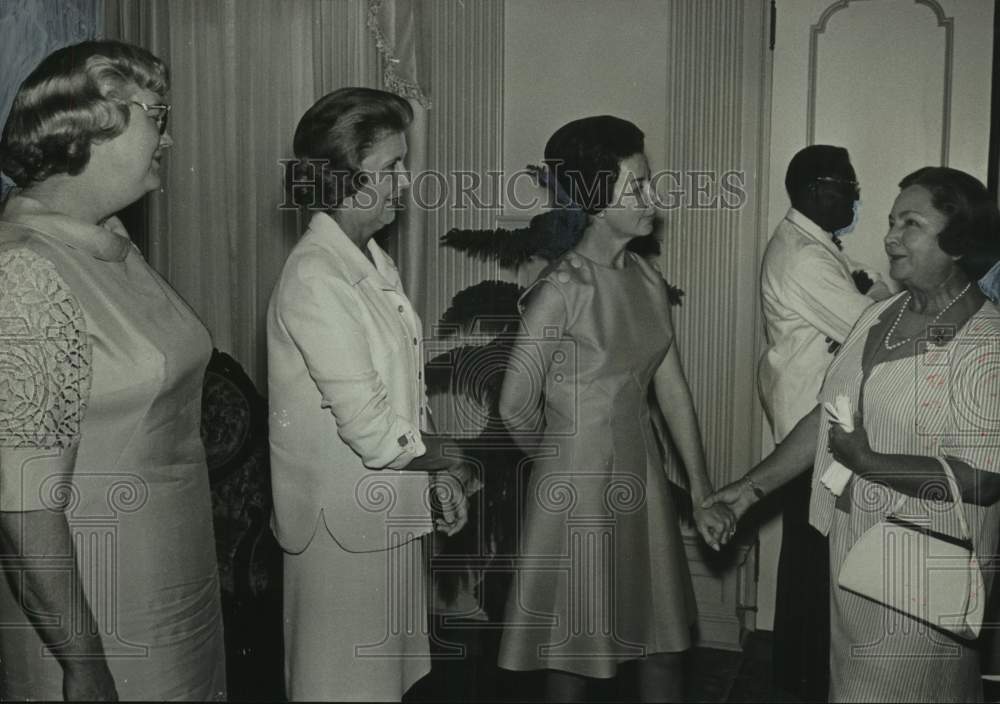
[(715, 524), (851, 449), (449, 498), (737, 497)]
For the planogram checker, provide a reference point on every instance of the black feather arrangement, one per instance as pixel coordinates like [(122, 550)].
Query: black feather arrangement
[(557, 231), (491, 531), (508, 247), (489, 307), (473, 371), (548, 235)]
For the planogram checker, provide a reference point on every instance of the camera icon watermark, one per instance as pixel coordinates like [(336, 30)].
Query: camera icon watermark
[(957, 387), (476, 371)]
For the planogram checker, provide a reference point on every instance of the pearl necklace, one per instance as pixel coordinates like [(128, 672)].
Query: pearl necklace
[(902, 309)]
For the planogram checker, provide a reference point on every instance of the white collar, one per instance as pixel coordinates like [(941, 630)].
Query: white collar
[(328, 233), (811, 229)]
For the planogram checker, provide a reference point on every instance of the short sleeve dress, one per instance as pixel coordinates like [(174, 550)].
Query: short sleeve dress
[(943, 400), (601, 574), (100, 407)]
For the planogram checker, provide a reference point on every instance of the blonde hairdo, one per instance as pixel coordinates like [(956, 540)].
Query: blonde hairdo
[(76, 97)]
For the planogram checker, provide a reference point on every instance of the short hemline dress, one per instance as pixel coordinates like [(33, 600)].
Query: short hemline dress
[(601, 575)]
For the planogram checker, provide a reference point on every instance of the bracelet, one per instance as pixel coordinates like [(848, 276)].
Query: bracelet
[(754, 487)]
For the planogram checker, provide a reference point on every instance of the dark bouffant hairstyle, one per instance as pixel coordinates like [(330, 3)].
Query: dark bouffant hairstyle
[(584, 156), (76, 97), (973, 229), (333, 138)]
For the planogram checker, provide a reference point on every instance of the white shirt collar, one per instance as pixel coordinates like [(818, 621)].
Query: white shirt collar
[(811, 229), (326, 231)]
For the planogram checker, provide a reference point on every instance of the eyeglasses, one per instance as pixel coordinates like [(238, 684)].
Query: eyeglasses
[(854, 185), (158, 112)]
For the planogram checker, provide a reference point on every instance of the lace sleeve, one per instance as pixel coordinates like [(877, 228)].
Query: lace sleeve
[(44, 355)]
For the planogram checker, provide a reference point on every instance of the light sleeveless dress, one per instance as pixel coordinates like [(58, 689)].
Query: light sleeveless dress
[(601, 575)]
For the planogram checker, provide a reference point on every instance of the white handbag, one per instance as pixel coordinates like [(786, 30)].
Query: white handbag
[(930, 576)]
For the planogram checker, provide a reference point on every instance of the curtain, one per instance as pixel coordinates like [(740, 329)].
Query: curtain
[(30, 30), (242, 74), (396, 27), (447, 57)]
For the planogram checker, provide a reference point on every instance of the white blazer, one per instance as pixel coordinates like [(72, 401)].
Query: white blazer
[(346, 392)]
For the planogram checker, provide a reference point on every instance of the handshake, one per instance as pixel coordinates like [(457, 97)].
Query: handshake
[(717, 515)]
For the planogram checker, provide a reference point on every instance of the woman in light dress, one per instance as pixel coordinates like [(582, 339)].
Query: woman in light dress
[(602, 576), (920, 371), (104, 497)]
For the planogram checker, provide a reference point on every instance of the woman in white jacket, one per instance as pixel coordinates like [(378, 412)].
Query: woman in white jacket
[(348, 411)]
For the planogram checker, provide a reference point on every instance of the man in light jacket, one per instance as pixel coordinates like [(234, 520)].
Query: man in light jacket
[(811, 300)]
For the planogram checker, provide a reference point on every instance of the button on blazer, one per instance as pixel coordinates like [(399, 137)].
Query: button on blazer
[(346, 394)]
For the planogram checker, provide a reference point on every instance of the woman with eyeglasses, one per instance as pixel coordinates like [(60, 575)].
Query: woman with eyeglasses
[(111, 585)]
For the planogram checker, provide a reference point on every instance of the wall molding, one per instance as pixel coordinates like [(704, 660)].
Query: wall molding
[(943, 21), (465, 67), (715, 93)]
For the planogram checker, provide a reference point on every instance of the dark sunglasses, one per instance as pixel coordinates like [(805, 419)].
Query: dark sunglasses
[(159, 112)]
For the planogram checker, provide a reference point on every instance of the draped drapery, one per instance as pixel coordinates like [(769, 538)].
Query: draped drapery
[(447, 58), (396, 27)]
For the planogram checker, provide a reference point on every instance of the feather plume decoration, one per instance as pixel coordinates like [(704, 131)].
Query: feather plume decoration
[(491, 531), (507, 247), (474, 371), (557, 231), (489, 307), (548, 235)]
